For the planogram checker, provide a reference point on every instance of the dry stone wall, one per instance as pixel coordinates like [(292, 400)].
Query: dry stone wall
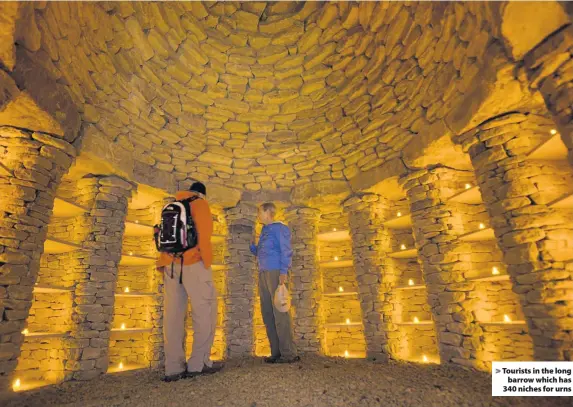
[(32, 166), (330, 90), (535, 239), (374, 274), (305, 279), (241, 284), (92, 311), (549, 68), (437, 226)]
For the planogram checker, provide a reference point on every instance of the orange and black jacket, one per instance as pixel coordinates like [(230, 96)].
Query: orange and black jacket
[(201, 214)]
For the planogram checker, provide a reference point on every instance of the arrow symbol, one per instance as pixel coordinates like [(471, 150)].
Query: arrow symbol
[(497, 370)]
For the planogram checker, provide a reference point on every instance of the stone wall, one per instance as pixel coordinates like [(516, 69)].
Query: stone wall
[(347, 342), (241, 284), (536, 239), (139, 246), (334, 278), (92, 311), (335, 251), (548, 68), (305, 279), (32, 166), (438, 225), (375, 276)]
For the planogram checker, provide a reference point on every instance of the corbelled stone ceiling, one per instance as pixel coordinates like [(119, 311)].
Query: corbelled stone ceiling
[(264, 96)]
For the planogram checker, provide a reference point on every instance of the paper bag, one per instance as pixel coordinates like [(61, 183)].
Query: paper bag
[(282, 298)]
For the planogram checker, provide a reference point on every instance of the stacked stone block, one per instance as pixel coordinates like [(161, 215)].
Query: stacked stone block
[(414, 341), (437, 224), (536, 240), (356, 81), (335, 251), (332, 219), (92, 311), (43, 358), (501, 342), (304, 282), (31, 167), (333, 279), (241, 283), (347, 342), (549, 68), (374, 273), (139, 245), (143, 312), (341, 307)]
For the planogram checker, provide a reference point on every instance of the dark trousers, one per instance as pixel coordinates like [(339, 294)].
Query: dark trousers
[(278, 324)]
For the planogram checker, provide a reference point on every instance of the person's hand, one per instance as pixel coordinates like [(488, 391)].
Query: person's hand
[(282, 279)]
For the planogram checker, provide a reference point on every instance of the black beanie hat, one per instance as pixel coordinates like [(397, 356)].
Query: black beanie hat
[(199, 187)]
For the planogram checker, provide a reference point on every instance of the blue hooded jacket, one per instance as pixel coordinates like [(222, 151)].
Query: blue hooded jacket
[(274, 250)]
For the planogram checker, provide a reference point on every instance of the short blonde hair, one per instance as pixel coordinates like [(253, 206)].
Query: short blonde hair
[(269, 207)]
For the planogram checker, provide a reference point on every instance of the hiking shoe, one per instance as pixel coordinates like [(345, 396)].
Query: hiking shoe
[(217, 366), (173, 377), (271, 359), (293, 359)]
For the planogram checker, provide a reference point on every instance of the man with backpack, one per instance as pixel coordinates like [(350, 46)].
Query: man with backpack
[(184, 241), (274, 255)]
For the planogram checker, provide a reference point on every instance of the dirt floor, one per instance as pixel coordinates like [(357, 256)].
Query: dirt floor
[(313, 382)]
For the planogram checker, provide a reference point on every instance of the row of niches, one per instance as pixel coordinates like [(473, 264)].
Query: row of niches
[(340, 309), (482, 291), (52, 350), (46, 345)]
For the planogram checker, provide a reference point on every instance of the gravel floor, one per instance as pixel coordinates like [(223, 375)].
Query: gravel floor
[(312, 382)]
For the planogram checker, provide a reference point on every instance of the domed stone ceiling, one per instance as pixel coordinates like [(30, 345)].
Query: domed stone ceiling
[(269, 95)]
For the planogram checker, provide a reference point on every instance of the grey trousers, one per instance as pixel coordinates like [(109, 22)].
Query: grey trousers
[(198, 286), (278, 324)]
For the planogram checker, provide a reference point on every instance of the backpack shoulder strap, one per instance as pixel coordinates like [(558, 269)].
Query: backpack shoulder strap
[(191, 199)]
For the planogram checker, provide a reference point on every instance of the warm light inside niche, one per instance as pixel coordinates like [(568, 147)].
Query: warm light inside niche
[(494, 271), (410, 282), (17, 384), (399, 214), (347, 321), (553, 132), (335, 258), (481, 226), (416, 320), (340, 289), (506, 318), (126, 290), (425, 358), (120, 366), (346, 354), (468, 186), (403, 247), (131, 253), (123, 326), (25, 332), (334, 229), (136, 221)]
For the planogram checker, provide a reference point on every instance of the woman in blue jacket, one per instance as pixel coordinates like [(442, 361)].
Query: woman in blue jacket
[(274, 254)]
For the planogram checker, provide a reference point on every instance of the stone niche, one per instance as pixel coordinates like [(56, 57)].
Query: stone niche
[(413, 336), (46, 346), (136, 333), (343, 333), (501, 333)]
